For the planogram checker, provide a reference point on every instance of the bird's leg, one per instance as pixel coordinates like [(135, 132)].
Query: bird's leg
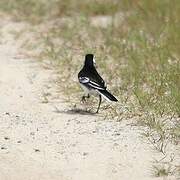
[(84, 98), (99, 103)]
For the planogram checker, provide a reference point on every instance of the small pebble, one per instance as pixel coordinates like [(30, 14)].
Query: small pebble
[(85, 153), (32, 133), (117, 134), (3, 148), (36, 150), (116, 144)]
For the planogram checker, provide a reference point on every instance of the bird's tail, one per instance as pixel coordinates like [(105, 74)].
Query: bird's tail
[(107, 95)]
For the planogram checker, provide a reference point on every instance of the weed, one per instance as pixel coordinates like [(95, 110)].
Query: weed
[(161, 170)]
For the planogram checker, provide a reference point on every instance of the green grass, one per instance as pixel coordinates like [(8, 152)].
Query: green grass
[(87, 7), (36, 11), (138, 56), (30, 10), (160, 171)]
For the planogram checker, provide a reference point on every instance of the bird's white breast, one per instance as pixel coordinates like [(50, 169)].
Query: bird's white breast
[(89, 91)]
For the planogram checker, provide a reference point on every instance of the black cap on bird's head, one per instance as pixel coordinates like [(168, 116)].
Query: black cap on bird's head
[(89, 60)]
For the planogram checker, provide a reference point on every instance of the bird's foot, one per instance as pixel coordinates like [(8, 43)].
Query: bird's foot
[(83, 99)]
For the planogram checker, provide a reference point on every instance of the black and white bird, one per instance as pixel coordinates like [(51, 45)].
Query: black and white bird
[(92, 82)]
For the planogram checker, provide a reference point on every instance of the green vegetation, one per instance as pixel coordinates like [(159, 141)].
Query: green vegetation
[(161, 170), (36, 11), (30, 10), (137, 51), (87, 7)]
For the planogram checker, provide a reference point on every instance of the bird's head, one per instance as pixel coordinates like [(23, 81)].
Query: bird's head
[(89, 60)]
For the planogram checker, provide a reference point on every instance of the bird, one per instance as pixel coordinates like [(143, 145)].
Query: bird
[(92, 83)]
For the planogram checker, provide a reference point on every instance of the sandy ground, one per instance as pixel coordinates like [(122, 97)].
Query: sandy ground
[(37, 143)]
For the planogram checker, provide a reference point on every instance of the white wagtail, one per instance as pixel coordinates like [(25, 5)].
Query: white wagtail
[(92, 82)]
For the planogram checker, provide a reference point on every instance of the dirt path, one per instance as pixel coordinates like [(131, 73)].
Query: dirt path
[(37, 143)]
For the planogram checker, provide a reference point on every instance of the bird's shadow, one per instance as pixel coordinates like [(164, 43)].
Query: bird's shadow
[(74, 110)]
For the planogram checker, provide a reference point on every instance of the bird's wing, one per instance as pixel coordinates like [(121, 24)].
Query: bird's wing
[(97, 79), (84, 80), (90, 83), (95, 85)]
